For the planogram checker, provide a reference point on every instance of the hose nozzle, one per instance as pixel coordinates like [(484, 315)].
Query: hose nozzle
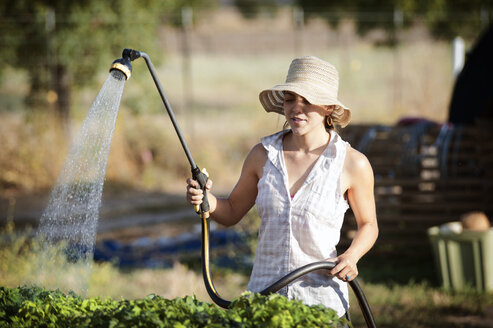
[(123, 64)]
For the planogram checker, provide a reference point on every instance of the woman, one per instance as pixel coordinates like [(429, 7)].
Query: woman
[(303, 179)]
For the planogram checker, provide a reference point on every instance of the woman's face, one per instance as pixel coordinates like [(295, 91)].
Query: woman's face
[(302, 116)]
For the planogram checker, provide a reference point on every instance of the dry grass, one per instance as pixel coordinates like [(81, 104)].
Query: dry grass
[(108, 281), (32, 151), (422, 305), (23, 262), (225, 118)]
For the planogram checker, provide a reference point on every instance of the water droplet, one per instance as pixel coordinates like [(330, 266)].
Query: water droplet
[(70, 218)]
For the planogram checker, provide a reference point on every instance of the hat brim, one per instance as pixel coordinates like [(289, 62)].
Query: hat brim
[(273, 100)]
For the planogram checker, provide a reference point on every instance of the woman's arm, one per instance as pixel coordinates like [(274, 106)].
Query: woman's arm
[(359, 176), (229, 211)]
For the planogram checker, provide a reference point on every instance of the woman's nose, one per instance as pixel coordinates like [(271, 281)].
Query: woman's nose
[(297, 106)]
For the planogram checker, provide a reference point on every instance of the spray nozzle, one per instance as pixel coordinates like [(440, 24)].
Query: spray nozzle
[(123, 64)]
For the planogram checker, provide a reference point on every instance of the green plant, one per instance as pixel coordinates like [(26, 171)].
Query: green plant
[(37, 307)]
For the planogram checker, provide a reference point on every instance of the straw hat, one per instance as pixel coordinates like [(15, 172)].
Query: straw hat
[(315, 80)]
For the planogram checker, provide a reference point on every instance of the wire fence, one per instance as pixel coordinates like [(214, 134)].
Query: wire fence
[(413, 78)]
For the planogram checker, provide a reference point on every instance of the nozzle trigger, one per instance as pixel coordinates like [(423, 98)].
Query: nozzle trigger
[(201, 177)]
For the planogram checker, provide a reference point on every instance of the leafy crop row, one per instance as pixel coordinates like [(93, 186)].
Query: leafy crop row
[(37, 307)]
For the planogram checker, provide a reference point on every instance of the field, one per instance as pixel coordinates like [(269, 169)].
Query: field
[(224, 120)]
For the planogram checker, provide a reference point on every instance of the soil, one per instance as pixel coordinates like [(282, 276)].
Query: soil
[(473, 321), (124, 216)]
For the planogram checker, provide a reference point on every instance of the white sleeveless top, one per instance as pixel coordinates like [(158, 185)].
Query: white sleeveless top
[(305, 229)]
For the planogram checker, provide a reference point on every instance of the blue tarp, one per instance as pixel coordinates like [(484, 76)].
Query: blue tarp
[(162, 252)]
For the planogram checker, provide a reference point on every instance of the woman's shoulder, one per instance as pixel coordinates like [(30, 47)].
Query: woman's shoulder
[(255, 160), (356, 162), (257, 155), (272, 138), (258, 151)]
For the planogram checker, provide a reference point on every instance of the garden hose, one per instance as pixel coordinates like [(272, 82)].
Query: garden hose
[(284, 281), (123, 64)]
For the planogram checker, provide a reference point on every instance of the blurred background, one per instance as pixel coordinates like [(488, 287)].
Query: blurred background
[(415, 73)]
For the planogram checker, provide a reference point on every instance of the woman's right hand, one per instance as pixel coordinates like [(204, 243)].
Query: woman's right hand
[(194, 193)]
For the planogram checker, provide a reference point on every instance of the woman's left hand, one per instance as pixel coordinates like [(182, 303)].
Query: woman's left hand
[(345, 268)]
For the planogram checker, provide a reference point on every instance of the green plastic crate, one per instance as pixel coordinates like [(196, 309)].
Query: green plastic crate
[(464, 260)]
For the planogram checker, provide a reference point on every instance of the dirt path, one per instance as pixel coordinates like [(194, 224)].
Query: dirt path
[(473, 321), (126, 215)]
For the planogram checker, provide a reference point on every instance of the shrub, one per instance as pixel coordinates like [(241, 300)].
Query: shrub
[(37, 307)]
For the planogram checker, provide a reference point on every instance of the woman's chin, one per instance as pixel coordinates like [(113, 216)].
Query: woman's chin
[(298, 131)]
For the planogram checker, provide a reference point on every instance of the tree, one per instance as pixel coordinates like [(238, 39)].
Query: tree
[(64, 43), (250, 9), (445, 19)]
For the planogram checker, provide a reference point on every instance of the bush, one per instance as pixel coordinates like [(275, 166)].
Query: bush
[(37, 307)]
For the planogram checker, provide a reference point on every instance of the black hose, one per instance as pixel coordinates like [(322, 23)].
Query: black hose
[(287, 279), (197, 175), (206, 270), (168, 109), (293, 275)]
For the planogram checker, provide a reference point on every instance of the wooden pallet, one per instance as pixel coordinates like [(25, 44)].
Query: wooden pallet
[(425, 175)]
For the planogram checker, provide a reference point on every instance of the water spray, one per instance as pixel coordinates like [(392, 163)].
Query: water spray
[(124, 65), (68, 225)]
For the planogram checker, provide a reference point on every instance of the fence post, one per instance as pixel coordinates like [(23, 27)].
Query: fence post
[(458, 54), (298, 20)]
